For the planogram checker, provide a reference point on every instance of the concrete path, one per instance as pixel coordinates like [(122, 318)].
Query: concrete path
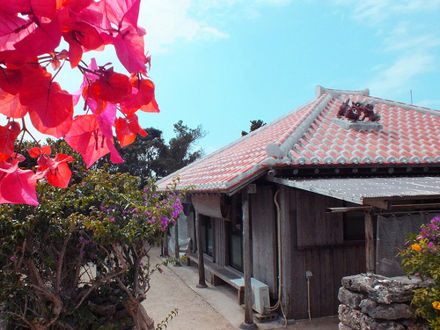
[(212, 308)]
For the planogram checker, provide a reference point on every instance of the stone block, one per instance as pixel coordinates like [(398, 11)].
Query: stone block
[(349, 298), (368, 323), (350, 317), (342, 326), (367, 306), (387, 312), (382, 289)]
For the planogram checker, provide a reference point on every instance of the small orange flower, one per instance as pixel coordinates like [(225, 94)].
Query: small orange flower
[(416, 247), (436, 305)]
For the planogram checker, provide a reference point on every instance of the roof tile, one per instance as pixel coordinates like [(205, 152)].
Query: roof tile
[(309, 135)]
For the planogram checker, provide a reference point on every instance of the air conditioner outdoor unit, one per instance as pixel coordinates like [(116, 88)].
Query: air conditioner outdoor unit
[(260, 294)]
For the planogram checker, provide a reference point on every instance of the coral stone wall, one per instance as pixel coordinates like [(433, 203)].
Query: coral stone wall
[(370, 301)]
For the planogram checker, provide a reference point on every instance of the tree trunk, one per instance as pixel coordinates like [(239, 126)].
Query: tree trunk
[(139, 315)]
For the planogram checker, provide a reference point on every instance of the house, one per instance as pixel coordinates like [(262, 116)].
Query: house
[(327, 190)]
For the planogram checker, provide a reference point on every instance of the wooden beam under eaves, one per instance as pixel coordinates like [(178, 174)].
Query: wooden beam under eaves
[(348, 209), (378, 203), (407, 207)]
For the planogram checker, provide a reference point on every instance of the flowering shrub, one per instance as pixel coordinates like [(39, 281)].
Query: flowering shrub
[(32, 55), (80, 259), (422, 258)]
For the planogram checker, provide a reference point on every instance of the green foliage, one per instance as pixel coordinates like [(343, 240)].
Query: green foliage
[(80, 259), (421, 257), (255, 124), (151, 156)]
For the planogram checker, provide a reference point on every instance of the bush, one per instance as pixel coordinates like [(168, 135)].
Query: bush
[(421, 257), (80, 259)]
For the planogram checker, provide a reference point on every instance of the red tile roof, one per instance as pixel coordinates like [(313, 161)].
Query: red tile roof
[(312, 135)]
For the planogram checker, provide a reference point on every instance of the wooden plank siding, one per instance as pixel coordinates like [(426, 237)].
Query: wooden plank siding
[(328, 265), (313, 241), (315, 227), (220, 250), (264, 247)]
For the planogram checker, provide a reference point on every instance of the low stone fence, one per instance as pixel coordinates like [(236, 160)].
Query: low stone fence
[(370, 301)]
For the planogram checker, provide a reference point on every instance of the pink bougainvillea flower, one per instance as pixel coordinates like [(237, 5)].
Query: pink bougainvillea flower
[(111, 86), (44, 39), (120, 18), (129, 45), (8, 134), (126, 130), (10, 80), (35, 152), (56, 170), (86, 138), (10, 105), (17, 186), (142, 97), (45, 97), (81, 37), (57, 131)]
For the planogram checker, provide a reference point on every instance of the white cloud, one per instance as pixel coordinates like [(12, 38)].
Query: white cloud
[(410, 43), (168, 21), (376, 11), (398, 76)]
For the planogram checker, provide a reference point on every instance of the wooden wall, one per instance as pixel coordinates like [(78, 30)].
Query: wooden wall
[(220, 242), (313, 241), (263, 227)]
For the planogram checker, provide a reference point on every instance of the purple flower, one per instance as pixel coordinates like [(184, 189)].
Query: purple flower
[(112, 219), (83, 183), (12, 258)]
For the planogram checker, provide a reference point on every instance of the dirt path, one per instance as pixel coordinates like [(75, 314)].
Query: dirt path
[(168, 292), (212, 308)]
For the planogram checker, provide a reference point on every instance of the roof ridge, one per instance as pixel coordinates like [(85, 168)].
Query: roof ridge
[(281, 151), (302, 128), (214, 153), (335, 92), (236, 141), (405, 106)]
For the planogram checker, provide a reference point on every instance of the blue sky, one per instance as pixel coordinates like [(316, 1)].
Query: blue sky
[(220, 64)]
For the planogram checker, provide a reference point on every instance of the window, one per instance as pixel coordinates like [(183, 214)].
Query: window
[(207, 236), (236, 245), (354, 228)]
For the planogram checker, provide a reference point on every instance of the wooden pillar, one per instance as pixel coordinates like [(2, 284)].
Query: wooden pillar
[(201, 262), (369, 243), (176, 243), (248, 313)]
